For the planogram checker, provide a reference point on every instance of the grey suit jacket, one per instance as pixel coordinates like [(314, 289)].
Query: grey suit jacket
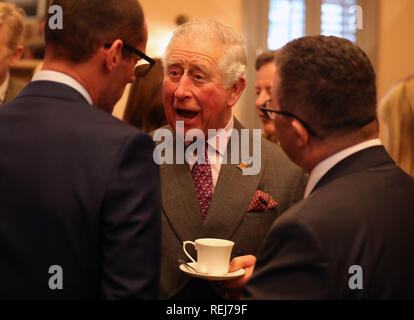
[(361, 213), (227, 217)]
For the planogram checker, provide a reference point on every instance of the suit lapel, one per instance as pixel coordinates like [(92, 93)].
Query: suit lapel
[(51, 89), (232, 196), (179, 199)]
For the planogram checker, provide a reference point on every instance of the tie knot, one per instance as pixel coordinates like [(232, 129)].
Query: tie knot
[(197, 152), (202, 157)]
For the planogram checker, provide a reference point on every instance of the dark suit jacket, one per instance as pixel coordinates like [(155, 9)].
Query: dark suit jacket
[(360, 213), (227, 216), (78, 189)]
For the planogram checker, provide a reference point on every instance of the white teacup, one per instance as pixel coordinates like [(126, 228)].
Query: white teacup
[(213, 255)]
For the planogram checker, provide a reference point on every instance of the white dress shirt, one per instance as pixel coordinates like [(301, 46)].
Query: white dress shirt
[(324, 166), (3, 88), (216, 150), (55, 76)]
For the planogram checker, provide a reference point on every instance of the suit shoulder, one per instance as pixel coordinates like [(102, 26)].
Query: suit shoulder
[(98, 124), (111, 124), (360, 197), (274, 151)]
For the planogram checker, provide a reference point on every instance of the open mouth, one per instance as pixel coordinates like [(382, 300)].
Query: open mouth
[(186, 114)]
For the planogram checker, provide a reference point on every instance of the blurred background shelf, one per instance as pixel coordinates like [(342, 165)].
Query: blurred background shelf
[(25, 68)]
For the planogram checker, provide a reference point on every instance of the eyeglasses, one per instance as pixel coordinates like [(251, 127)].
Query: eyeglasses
[(270, 114), (142, 68)]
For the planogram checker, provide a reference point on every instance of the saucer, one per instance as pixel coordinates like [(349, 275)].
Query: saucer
[(206, 276)]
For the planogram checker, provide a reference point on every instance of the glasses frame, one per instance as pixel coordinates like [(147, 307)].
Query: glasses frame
[(267, 111), (140, 54)]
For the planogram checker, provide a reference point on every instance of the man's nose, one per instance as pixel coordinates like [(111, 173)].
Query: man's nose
[(183, 88), (262, 98)]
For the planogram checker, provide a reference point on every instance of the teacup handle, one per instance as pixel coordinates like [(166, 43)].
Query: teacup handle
[(185, 251)]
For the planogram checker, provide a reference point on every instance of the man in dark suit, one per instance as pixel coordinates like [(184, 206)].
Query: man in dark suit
[(352, 236), (77, 220), (11, 49), (204, 78)]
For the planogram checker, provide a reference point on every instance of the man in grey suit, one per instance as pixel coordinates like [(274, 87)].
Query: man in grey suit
[(204, 78), (352, 237)]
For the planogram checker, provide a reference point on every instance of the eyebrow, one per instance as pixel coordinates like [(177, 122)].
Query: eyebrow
[(199, 67), (193, 66), (174, 63), (267, 88)]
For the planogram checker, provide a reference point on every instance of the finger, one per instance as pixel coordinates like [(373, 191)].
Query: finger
[(240, 262)]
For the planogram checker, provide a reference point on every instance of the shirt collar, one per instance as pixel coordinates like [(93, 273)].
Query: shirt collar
[(3, 88), (223, 136), (324, 166), (213, 141), (55, 76)]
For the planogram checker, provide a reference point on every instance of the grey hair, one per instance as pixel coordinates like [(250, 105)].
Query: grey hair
[(11, 17), (233, 61)]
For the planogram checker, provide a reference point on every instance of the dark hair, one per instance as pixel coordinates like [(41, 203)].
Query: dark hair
[(145, 108), (329, 82), (88, 24), (264, 58)]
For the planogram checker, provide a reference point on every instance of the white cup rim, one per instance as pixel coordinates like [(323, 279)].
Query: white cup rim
[(217, 242)]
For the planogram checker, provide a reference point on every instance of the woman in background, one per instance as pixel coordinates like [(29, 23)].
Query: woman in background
[(266, 68), (396, 115), (145, 109)]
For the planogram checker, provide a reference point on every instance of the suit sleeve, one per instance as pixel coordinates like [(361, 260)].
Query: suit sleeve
[(291, 265), (131, 224)]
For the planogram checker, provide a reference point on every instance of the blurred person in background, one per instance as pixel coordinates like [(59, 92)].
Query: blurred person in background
[(11, 49), (396, 115), (145, 109), (266, 68)]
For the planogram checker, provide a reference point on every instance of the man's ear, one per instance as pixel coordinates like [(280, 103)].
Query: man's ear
[(113, 55), (236, 91), (17, 55), (301, 134)]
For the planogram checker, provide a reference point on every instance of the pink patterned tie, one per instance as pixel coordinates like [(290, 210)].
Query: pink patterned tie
[(203, 183)]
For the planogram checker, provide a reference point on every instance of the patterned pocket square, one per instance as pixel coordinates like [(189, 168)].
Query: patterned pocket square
[(262, 201)]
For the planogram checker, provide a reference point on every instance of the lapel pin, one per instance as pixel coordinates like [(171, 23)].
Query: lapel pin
[(242, 166)]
